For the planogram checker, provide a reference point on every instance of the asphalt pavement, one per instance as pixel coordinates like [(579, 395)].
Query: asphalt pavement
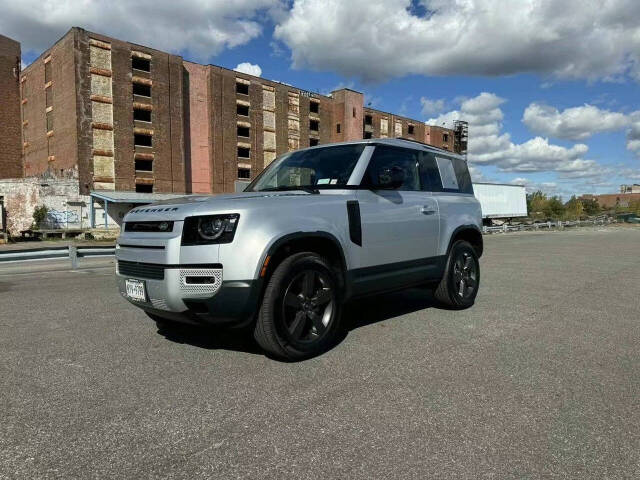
[(540, 379)]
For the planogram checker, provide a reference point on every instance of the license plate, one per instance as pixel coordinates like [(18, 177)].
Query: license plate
[(135, 290)]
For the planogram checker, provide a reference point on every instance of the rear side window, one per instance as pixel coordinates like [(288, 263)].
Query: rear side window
[(444, 174), (389, 157)]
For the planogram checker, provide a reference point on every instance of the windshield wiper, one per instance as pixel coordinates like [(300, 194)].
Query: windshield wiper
[(285, 188)]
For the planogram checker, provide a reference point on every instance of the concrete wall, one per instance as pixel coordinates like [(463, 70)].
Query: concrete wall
[(67, 207)]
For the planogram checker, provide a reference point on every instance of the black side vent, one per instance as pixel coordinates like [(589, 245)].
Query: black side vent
[(355, 226)]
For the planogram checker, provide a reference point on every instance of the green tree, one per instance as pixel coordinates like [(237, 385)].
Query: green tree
[(39, 216), (536, 204), (591, 206), (573, 209), (554, 208)]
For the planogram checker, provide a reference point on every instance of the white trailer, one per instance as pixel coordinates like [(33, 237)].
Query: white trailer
[(501, 200)]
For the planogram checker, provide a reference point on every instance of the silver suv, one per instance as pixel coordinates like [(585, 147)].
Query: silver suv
[(317, 227)]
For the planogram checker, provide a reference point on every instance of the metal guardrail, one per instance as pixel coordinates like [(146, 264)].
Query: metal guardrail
[(559, 225), (71, 252)]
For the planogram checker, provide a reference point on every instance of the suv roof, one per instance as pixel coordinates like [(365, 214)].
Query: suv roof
[(396, 142)]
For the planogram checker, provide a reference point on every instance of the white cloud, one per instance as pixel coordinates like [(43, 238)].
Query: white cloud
[(377, 40), (432, 106), (576, 123), (249, 69), (633, 138), (202, 28), (489, 145)]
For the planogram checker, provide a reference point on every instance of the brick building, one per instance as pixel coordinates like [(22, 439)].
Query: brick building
[(127, 117)]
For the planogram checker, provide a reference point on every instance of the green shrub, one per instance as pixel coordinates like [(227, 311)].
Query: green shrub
[(39, 216)]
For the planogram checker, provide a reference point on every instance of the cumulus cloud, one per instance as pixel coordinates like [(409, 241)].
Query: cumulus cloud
[(633, 138), (576, 123), (489, 145), (388, 38), (203, 29), (432, 106), (249, 69)]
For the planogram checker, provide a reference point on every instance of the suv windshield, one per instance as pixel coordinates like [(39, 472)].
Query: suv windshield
[(315, 168)]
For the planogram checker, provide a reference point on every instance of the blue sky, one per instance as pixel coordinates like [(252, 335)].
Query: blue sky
[(550, 87)]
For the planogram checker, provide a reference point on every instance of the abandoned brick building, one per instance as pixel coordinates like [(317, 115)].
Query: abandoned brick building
[(128, 117)]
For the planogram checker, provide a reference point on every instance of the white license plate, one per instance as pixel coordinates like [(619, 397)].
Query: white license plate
[(135, 290)]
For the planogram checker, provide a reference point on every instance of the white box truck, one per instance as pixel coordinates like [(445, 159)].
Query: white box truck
[(501, 200)]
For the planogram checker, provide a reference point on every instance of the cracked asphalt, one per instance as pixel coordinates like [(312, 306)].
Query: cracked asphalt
[(540, 379)]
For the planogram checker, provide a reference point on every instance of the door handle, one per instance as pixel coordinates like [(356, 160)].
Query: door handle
[(427, 210)]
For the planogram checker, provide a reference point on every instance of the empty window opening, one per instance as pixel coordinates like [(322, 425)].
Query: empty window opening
[(144, 165), (354, 112), (142, 90), (142, 140), (244, 173), (144, 187), (445, 137), (242, 88), (141, 64), (313, 142), (410, 129), (314, 107), (368, 120), (314, 125), (47, 72), (242, 110), (244, 152), (141, 115), (338, 128), (367, 134), (243, 131), (49, 121)]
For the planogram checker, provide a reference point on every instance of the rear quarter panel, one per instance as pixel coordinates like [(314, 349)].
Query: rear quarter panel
[(456, 210)]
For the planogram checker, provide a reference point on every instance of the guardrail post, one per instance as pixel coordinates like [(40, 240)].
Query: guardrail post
[(73, 255)]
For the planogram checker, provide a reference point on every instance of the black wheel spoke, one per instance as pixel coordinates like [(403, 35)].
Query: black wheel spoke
[(308, 282), (462, 287), (292, 300), (317, 322), (322, 297), (297, 326), (467, 263)]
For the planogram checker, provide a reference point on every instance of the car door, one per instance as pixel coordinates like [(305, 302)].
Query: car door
[(400, 227)]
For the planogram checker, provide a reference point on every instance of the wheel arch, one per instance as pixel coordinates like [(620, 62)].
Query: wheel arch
[(470, 233)]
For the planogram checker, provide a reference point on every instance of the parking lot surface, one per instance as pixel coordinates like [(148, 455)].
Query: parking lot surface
[(541, 378)]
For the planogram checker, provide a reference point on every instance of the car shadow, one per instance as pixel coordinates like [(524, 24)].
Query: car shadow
[(358, 313)]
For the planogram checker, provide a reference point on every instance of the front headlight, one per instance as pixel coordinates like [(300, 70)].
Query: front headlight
[(209, 229)]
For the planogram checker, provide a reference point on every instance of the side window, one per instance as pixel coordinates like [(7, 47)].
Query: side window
[(387, 161), (429, 174), (447, 174), (463, 176)]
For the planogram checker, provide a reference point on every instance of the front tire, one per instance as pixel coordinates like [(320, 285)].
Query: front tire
[(300, 312), (459, 285)]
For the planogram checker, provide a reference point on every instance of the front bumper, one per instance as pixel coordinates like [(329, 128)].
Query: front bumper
[(176, 297)]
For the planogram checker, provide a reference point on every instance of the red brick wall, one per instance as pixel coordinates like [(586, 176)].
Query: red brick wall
[(10, 117), (198, 128)]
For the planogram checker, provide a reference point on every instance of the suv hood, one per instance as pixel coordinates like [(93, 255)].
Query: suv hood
[(179, 208)]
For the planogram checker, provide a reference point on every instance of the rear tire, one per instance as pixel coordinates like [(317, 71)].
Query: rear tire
[(459, 285), (301, 307)]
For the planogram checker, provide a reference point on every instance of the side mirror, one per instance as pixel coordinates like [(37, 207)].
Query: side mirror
[(390, 177)]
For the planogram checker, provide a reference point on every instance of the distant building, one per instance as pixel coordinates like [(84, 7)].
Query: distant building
[(635, 188)]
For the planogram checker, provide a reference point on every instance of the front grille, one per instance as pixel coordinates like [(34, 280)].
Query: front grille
[(151, 271), (160, 227)]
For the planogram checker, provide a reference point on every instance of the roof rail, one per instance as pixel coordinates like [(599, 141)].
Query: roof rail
[(428, 145)]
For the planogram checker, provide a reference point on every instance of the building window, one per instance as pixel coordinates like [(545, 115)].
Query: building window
[(49, 122), (242, 110), (354, 112), (313, 142), (242, 88), (243, 131), (244, 173), (337, 128), (445, 137), (47, 72), (141, 115), (142, 140), (144, 187), (368, 120), (314, 125), (142, 90), (144, 165), (314, 107), (367, 134), (244, 152), (142, 64), (48, 97), (410, 129)]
